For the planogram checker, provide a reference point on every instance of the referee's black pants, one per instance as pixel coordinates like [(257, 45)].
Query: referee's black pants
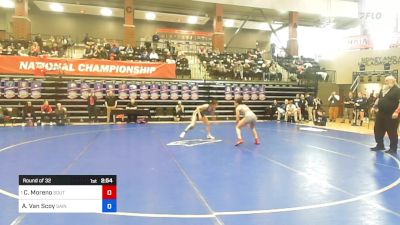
[(384, 123)]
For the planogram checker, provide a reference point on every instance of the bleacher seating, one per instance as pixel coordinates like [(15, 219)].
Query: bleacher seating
[(55, 90), (300, 68)]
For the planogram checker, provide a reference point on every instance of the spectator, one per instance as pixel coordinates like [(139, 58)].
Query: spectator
[(272, 110), (302, 106), (88, 52), (273, 71), (103, 54), (238, 70), (28, 112), (348, 109), (333, 106), (35, 49), (129, 52), (282, 110), (86, 39), (47, 113), (310, 100), (111, 104), (23, 52), (169, 59), (291, 111), (153, 56), (92, 108), (317, 105), (60, 114), (3, 113), (55, 51), (370, 102), (179, 111), (45, 50), (321, 118), (38, 40), (132, 105), (114, 52), (360, 106)]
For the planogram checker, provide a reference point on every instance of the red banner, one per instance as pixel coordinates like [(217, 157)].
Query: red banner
[(85, 67)]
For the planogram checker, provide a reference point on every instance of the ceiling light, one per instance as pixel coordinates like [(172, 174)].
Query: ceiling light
[(7, 4), (56, 7), (192, 19), (106, 12), (229, 23), (150, 16)]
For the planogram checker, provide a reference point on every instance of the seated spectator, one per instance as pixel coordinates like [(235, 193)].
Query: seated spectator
[(54, 51), (45, 50), (96, 52), (144, 56), (282, 110), (114, 52), (88, 52), (28, 113), (273, 72), (64, 43), (47, 113), (86, 39), (153, 56), (238, 70), (291, 111), (169, 59), (247, 72), (129, 52), (321, 118), (179, 111), (103, 54), (272, 110), (317, 105), (10, 50), (23, 52), (3, 113), (38, 40), (60, 114), (132, 105)]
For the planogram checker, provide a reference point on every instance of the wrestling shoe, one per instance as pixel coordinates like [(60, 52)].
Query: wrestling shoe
[(257, 141), (209, 136), (239, 142), (182, 135)]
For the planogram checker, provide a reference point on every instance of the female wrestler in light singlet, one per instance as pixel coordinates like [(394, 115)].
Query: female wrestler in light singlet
[(201, 113), (249, 118)]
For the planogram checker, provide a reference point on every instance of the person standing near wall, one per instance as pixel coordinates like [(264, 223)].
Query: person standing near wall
[(387, 108), (333, 106), (348, 109), (310, 100), (111, 104), (92, 109)]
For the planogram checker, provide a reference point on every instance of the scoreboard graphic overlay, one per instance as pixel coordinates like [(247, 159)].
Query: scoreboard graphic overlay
[(67, 193)]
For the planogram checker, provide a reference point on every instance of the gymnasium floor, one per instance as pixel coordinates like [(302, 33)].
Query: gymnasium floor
[(297, 176)]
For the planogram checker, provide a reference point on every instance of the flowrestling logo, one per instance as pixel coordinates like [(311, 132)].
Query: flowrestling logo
[(193, 142)]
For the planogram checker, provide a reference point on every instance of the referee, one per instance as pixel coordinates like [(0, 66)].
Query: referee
[(388, 108)]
